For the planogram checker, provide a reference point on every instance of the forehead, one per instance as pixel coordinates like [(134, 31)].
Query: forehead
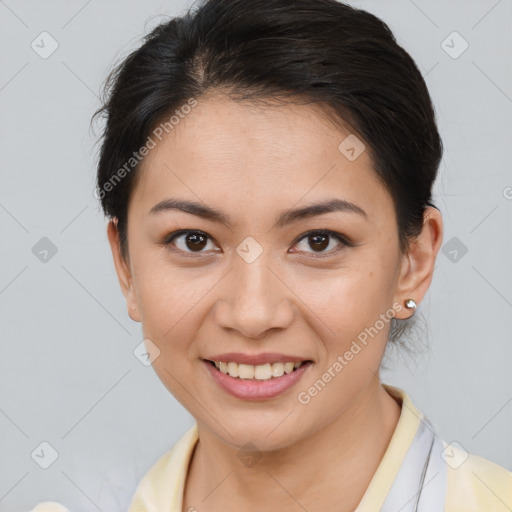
[(224, 151)]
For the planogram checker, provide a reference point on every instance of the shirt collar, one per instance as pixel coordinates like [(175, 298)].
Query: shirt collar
[(162, 487)]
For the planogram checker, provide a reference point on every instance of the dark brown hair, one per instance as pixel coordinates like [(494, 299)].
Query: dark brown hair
[(343, 59)]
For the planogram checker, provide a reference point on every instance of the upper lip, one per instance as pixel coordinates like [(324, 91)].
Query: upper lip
[(256, 359)]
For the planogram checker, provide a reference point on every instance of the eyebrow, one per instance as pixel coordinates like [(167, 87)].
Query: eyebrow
[(284, 218)]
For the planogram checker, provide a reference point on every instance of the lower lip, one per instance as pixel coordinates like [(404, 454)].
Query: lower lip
[(256, 389)]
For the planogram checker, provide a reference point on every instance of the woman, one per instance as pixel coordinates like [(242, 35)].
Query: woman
[(267, 168)]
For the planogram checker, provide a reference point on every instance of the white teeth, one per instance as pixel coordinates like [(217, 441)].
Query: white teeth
[(233, 369), (277, 369), (258, 372), (263, 371), (288, 367), (245, 371)]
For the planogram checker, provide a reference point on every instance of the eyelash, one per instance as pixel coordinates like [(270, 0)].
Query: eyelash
[(344, 242)]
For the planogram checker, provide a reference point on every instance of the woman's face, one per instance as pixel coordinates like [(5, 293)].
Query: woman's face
[(255, 283)]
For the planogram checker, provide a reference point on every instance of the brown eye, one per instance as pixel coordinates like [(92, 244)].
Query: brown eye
[(320, 240), (189, 241), (195, 241)]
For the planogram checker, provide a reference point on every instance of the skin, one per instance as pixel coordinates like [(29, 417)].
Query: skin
[(251, 164)]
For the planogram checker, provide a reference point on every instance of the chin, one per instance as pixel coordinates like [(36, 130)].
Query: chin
[(264, 435)]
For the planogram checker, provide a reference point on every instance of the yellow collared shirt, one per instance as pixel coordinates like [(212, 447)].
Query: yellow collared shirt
[(473, 484)]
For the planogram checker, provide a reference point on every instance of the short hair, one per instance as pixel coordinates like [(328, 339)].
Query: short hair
[(323, 52)]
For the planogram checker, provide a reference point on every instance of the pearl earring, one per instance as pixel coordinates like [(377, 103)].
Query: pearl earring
[(410, 304)]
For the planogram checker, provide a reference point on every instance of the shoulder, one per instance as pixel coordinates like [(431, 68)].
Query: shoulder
[(49, 506), (162, 486), (148, 495), (474, 483)]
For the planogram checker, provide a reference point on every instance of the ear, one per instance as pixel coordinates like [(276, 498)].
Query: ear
[(123, 271), (417, 266)]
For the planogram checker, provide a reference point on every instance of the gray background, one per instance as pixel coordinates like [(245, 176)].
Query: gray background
[(68, 373)]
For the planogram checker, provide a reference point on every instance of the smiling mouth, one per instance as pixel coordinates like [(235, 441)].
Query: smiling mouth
[(266, 371)]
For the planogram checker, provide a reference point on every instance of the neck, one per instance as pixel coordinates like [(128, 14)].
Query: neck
[(329, 470)]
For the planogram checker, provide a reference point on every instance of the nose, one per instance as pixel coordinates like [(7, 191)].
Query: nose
[(255, 300)]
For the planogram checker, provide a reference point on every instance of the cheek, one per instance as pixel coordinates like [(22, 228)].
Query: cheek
[(349, 296), (351, 304), (170, 304), (170, 300)]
